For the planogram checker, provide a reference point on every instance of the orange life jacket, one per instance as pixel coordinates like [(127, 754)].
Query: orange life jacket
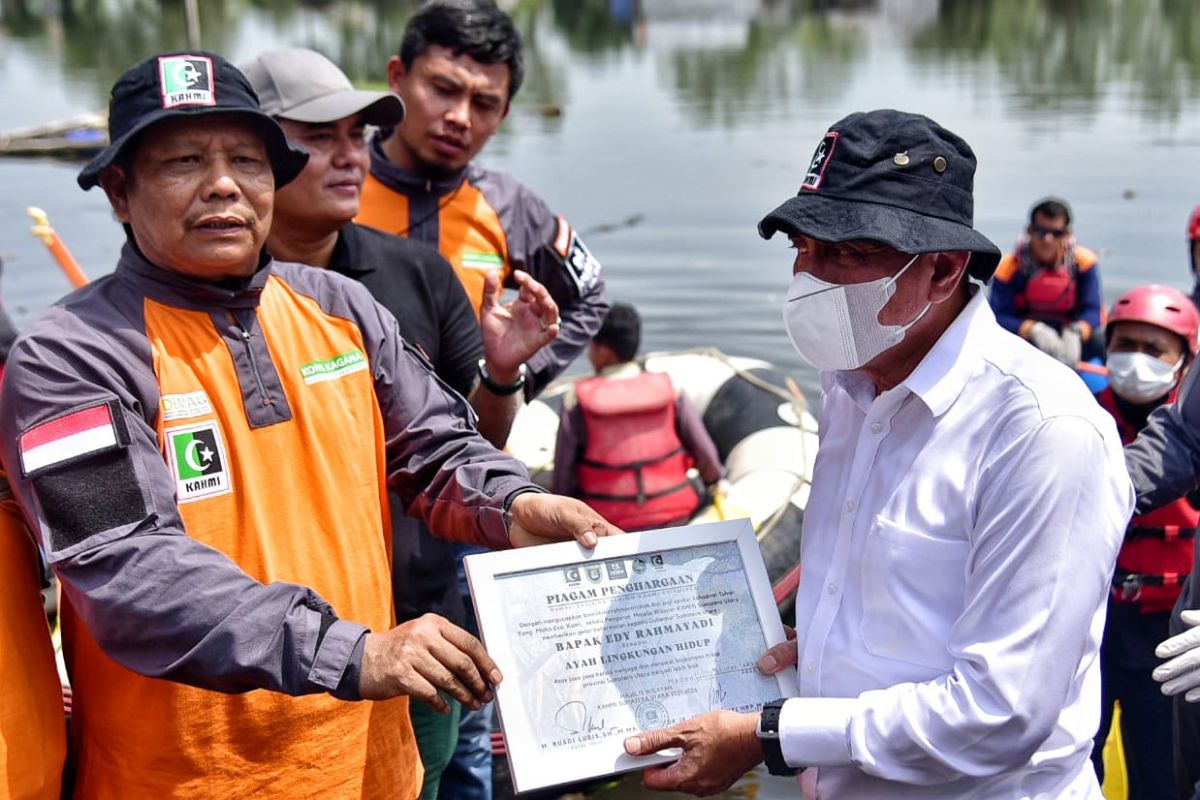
[(634, 467), (1156, 556)]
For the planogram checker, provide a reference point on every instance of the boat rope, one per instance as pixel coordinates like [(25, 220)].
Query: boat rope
[(799, 405)]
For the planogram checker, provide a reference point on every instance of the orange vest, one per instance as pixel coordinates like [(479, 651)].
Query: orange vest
[(324, 488), (1156, 557), (33, 728), (634, 468), (470, 235)]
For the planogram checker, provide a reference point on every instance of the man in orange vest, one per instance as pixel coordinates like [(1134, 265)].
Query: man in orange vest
[(203, 443), (459, 66), (626, 438), (1152, 338), (1048, 289)]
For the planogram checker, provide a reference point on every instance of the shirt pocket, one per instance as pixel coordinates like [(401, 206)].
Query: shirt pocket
[(914, 587)]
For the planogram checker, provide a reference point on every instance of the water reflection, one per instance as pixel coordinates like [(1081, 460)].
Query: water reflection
[(1064, 56), (719, 57)]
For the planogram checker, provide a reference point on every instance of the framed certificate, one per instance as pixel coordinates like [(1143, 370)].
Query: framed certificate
[(647, 630)]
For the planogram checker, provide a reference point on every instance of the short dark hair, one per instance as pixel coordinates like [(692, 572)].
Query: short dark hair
[(1052, 207), (622, 331), (477, 28)]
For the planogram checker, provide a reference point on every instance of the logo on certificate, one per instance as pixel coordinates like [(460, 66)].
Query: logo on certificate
[(593, 574), (639, 565), (572, 574), (657, 560), (651, 715), (616, 569)]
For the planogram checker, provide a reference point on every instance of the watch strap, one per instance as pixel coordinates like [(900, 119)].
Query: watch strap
[(768, 736), (500, 389)]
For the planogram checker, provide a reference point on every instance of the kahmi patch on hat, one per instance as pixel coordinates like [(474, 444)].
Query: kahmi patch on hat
[(186, 80), (820, 160)]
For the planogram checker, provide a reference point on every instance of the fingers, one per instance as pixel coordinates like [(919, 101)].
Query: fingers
[(537, 515), (668, 777), (457, 664), (650, 742), (491, 292), (780, 656), (1181, 675), (1180, 643), (1178, 669), (424, 657), (789, 632), (538, 298), (474, 649)]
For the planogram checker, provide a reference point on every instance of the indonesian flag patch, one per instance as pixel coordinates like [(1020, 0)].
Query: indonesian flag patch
[(69, 438)]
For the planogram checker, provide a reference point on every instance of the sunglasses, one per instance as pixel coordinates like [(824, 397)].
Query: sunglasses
[(1039, 232)]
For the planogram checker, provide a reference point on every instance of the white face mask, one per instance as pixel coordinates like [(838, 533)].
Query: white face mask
[(1139, 377), (836, 326)]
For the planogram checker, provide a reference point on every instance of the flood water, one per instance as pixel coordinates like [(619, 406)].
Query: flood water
[(664, 129)]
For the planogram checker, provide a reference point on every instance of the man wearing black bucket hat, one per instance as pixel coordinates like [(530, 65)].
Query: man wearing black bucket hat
[(956, 567), (203, 441)]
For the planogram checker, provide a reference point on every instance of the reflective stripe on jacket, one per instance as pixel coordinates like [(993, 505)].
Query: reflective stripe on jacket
[(634, 466)]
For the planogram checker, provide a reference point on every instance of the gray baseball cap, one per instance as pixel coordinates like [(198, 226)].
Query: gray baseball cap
[(305, 86)]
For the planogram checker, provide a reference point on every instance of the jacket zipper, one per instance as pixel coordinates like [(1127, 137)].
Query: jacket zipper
[(245, 334)]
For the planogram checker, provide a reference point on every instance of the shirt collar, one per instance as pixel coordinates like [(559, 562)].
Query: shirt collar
[(177, 289), (944, 371), (404, 181)]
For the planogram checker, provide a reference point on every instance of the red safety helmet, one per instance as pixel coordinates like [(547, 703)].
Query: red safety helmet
[(1162, 306), (1194, 224)]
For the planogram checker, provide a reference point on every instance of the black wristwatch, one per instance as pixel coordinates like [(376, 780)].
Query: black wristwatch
[(501, 389), (768, 736)]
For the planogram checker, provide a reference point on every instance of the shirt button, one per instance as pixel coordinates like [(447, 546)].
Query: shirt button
[(876, 427), (832, 588), (810, 669), (849, 505)]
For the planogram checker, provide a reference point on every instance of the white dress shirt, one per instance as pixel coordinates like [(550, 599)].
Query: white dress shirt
[(959, 542)]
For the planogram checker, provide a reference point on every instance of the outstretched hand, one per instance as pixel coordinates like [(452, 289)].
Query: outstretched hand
[(718, 748), (538, 518), (514, 331)]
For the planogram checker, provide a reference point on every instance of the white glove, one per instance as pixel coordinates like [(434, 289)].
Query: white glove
[(1182, 672), (1046, 339), (1072, 347)]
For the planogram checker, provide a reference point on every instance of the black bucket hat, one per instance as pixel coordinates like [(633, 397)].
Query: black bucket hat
[(893, 177), (191, 84)]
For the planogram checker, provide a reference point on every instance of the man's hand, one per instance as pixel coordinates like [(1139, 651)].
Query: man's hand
[(424, 656), (538, 518), (512, 333), (1182, 672), (718, 748), (782, 655)]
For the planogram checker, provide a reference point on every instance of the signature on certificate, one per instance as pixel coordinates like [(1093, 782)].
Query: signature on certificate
[(574, 717)]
